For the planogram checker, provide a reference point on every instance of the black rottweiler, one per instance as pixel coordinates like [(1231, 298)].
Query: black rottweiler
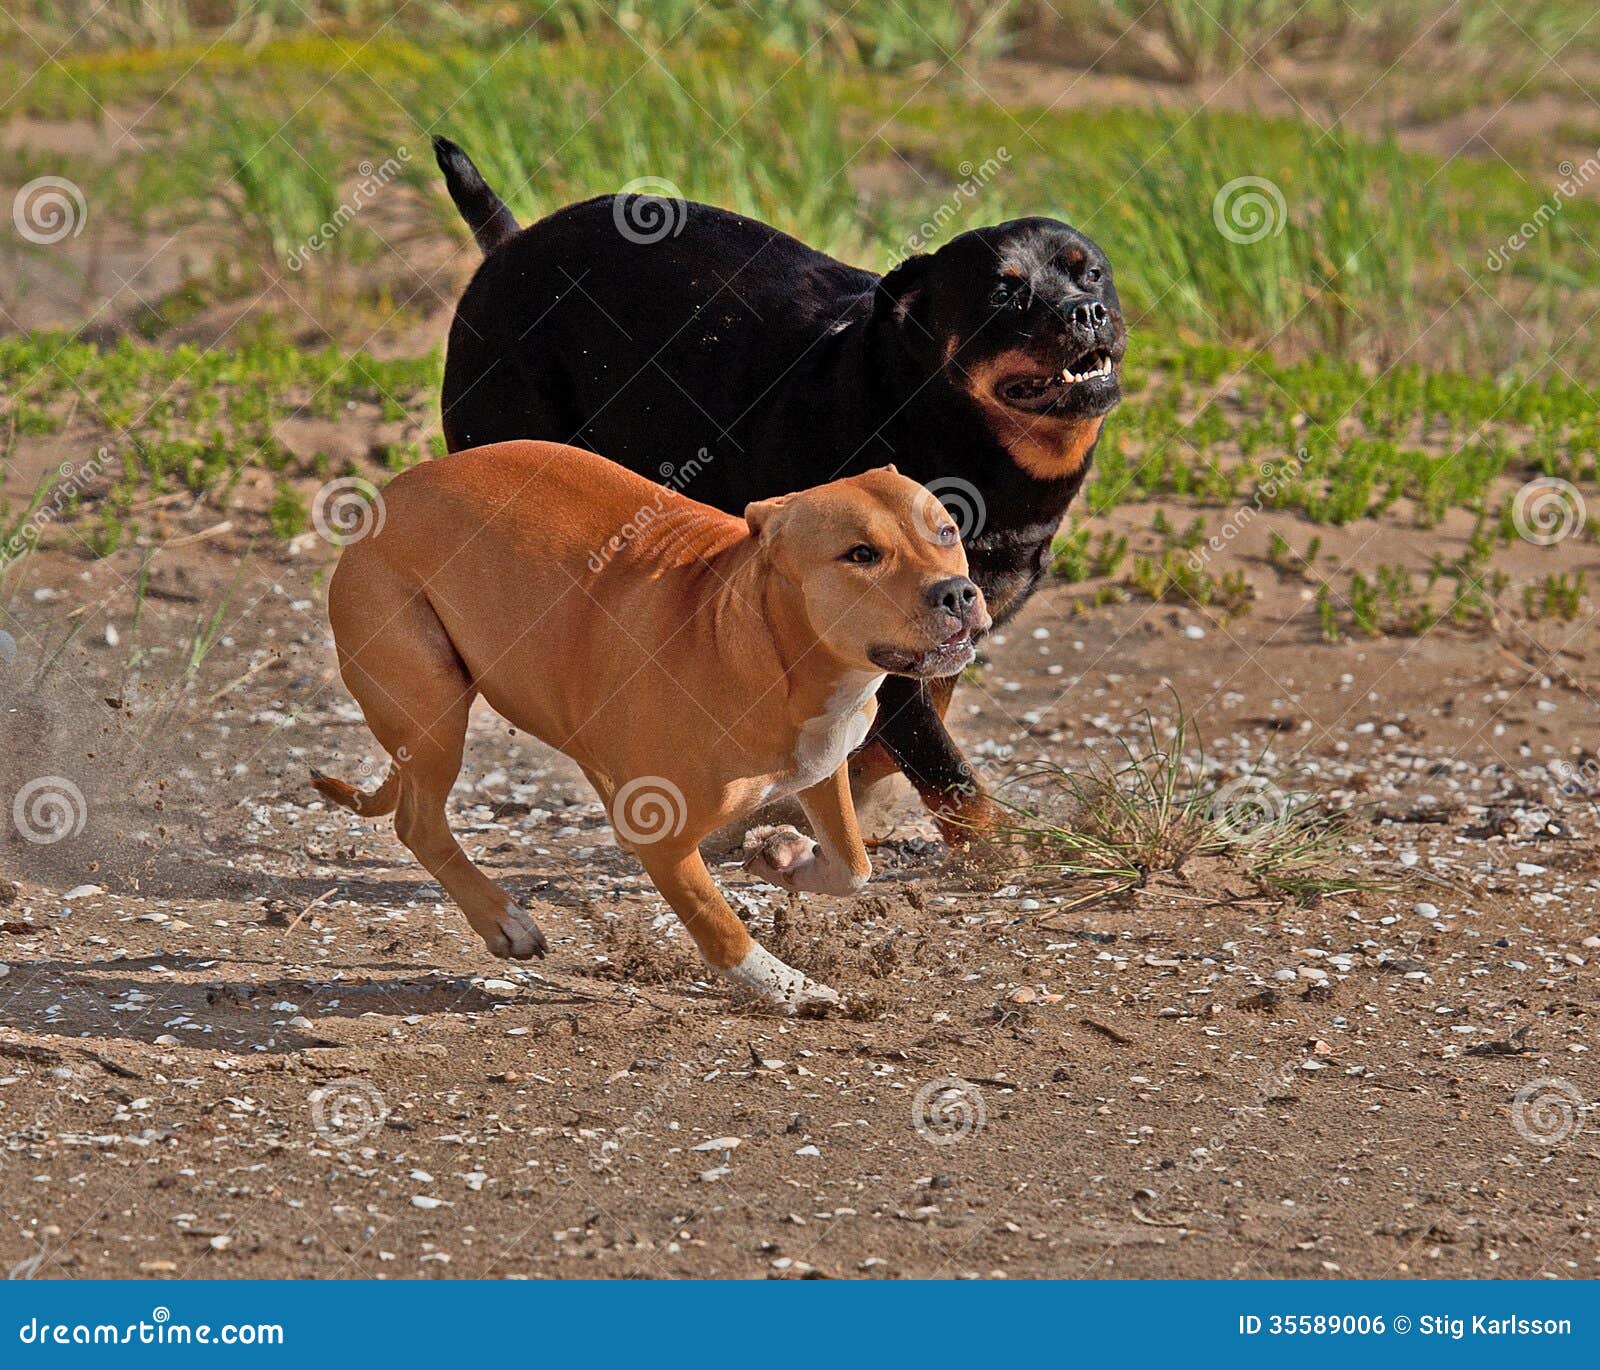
[(655, 331)]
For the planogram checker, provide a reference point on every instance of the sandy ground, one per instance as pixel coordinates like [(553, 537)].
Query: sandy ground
[(241, 1034)]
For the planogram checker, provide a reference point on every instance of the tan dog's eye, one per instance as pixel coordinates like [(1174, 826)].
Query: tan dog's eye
[(861, 555), (948, 536)]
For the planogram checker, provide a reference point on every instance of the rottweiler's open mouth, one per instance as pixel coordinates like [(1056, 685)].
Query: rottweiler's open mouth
[(1043, 390)]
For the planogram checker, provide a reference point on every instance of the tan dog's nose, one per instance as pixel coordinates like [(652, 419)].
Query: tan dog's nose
[(962, 600), (956, 595)]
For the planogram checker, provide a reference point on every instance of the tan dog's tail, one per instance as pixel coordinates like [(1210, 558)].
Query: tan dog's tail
[(384, 799)]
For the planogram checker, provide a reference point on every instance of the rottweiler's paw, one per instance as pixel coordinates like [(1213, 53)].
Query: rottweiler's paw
[(779, 855), (779, 986), (518, 937)]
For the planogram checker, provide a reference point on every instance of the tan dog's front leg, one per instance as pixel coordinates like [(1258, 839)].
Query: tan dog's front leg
[(836, 863), (687, 885)]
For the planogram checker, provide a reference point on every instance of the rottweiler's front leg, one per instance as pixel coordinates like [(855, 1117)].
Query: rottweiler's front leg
[(909, 732)]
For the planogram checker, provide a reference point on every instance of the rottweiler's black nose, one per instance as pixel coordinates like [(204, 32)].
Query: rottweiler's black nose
[(955, 595), (1090, 315)]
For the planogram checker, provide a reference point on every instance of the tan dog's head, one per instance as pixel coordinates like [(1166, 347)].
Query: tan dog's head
[(880, 570)]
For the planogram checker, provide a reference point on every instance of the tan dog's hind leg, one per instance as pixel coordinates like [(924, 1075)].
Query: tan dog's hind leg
[(836, 863), (416, 698), (684, 881)]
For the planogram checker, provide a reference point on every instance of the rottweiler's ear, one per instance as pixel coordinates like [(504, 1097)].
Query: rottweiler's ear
[(899, 291), (760, 514)]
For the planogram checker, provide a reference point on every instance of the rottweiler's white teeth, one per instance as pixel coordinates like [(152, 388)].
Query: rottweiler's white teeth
[(1077, 377)]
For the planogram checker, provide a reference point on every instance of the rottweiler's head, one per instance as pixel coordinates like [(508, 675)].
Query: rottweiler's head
[(1024, 318)]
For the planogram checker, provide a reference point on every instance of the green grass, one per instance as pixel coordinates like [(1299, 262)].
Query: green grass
[(1156, 806), (1375, 252), (764, 135)]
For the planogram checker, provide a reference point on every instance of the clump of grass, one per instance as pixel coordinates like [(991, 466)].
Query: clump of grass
[(288, 513), (1559, 595), (1154, 809), (1174, 576), (1076, 557), (274, 186)]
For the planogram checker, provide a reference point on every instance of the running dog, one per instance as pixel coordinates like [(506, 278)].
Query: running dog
[(694, 664)]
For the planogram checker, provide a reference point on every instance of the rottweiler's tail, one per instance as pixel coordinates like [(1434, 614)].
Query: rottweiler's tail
[(384, 799), (485, 212)]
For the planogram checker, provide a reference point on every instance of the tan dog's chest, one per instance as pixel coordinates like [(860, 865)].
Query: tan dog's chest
[(826, 740)]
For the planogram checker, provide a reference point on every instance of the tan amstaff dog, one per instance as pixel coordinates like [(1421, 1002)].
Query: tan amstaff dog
[(694, 664)]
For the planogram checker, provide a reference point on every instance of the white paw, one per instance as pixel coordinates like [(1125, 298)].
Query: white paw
[(518, 936), (779, 855), (777, 985)]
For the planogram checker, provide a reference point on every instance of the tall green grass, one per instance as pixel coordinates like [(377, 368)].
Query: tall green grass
[(550, 124), (1226, 242)]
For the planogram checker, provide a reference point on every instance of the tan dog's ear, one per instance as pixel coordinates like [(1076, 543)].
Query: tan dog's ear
[(890, 469), (760, 514)]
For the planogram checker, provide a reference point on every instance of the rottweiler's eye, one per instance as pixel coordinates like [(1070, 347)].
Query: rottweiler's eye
[(1093, 273), (1012, 294), (861, 555)]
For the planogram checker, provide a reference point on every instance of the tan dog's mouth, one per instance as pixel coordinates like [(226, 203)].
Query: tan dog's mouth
[(948, 657)]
